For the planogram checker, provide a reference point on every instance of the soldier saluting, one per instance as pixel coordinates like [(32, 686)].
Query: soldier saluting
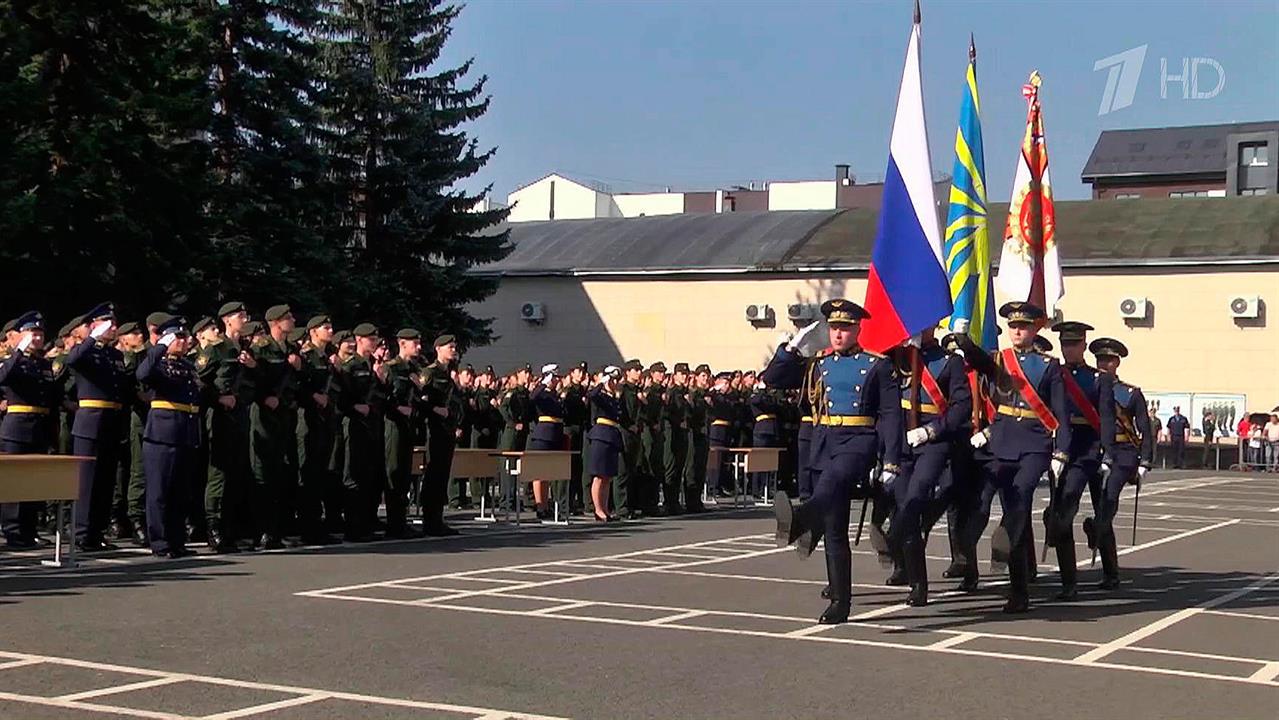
[(437, 391)]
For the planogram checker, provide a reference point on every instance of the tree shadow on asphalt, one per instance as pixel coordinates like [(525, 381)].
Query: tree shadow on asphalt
[(41, 582)]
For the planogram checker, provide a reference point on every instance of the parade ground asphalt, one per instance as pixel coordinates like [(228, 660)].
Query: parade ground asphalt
[(684, 617)]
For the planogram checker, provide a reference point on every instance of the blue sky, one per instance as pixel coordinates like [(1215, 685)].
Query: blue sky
[(710, 93)]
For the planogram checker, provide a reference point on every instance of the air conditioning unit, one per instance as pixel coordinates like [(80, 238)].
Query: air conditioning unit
[(1245, 307), (801, 312), (533, 312), (758, 312), (1134, 308)]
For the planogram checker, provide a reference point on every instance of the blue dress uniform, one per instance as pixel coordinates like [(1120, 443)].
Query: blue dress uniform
[(857, 407), (766, 430), (1128, 444), (720, 434), (32, 393), (169, 441), (1084, 467), (946, 420), (804, 446), (1023, 447), (103, 385), (605, 436), (547, 433)]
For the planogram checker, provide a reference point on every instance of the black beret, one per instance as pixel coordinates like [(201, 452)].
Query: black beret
[(318, 320), (231, 308), (658, 366), (681, 367), (275, 312), (444, 340), (703, 368), (633, 365)]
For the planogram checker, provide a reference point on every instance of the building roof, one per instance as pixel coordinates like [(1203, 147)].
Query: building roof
[(1091, 233), (1188, 150)]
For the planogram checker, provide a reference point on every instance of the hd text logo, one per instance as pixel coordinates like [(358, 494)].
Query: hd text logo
[(1200, 78)]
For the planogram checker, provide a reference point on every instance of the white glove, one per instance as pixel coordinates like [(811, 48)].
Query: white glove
[(886, 478), (550, 369), (978, 440), (25, 342), (1058, 468), (797, 342), (100, 329), (167, 340), (1141, 474), (546, 379), (1105, 470), (917, 437)]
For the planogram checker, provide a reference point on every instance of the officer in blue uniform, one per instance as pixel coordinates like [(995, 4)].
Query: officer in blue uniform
[(1029, 436), (547, 434), (804, 445), (766, 431), (103, 385), (720, 434), (1128, 452), (603, 459), (171, 437), (941, 418), (857, 407), (1088, 386), (27, 426)]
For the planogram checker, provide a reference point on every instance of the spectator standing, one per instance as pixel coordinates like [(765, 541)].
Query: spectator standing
[(1272, 443), (1241, 434), (1209, 430), (1178, 428)]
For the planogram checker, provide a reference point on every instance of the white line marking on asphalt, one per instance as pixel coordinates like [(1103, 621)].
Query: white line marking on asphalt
[(269, 707), (954, 640), (1168, 621), (1269, 671), (1187, 653), (1170, 538), (19, 663), (673, 618), (102, 692), (790, 581), (563, 606), (1250, 616), (89, 707), (808, 631)]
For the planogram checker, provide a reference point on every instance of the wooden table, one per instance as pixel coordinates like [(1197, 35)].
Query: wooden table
[(45, 478), (530, 465), (476, 464), (753, 460)]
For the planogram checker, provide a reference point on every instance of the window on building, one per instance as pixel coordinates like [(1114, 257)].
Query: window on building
[(1126, 196), (1252, 191), (1188, 193), (1254, 155)]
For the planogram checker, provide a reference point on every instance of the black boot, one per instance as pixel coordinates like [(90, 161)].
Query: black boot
[(898, 577), (916, 573), (1065, 545), (839, 573), (1018, 590), (1000, 550), (1109, 561), (826, 592), (790, 525)]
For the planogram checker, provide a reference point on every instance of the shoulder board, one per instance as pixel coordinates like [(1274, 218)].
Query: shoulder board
[(217, 342), (394, 362), (261, 342), (57, 366), (202, 360)]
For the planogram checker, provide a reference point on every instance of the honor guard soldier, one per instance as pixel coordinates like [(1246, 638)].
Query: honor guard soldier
[(273, 418), (938, 406), (603, 460), (1088, 393), (1030, 436), (363, 399), (103, 385), (514, 407), (171, 436), (1129, 449), (675, 412), (437, 390), (858, 408), (30, 394), (401, 419)]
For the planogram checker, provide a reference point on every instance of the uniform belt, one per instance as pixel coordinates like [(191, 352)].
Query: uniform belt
[(29, 409), (762, 418), (1079, 420), (1017, 412), (1122, 437), (848, 420), (720, 423), (923, 407), (606, 421), (101, 404), (550, 419), (180, 407), (806, 418)]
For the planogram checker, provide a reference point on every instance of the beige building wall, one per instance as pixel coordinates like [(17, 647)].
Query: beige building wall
[(801, 195), (637, 204), (1191, 343)]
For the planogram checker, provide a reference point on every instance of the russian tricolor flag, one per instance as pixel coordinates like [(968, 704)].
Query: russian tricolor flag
[(907, 291)]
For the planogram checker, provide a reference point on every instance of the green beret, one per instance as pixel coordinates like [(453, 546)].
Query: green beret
[(231, 308), (296, 335), (129, 328), (201, 325), (252, 327), (9, 326), (658, 366), (408, 334), (681, 367), (317, 321), (275, 312), (342, 336), (71, 325), (365, 330), (158, 318), (633, 365), (444, 340)]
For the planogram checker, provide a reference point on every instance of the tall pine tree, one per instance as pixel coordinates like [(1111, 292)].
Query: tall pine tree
[(396, 152)]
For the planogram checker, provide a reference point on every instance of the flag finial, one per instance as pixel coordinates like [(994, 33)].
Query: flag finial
[(972, 48), (916, 12)]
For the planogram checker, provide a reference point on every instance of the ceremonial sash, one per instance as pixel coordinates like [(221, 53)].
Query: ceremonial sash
[(1026, 391), (985, 403), (934, 390), (1080, 400), (1127, 425)]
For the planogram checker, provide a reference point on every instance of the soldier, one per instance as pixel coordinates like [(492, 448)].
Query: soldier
[(859, 407), (514, 407), (171, 436), (576, 422), (698, 445), (674, 422), (803, 442), (363, 398), (319, 427), (460, 493), (273, 418), (1088, 393), (102, 387), (130, 341), (1030, 435), (30, 393), (548, 434), (765, 414), (486, 423), (653, 439), (137, 489), (721, 433), (628, 485), (437, 391), (401, 419), (938, 407), (1128, 443)]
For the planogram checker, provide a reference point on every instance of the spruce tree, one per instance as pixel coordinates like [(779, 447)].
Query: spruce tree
[(396, 151)]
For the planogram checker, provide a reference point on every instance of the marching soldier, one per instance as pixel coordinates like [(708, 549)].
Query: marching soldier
[(363, 398), (1088, 391), (859, 407), (1129, 450), (102, 387), (171, 436), (674, 422), (1030, 435), (273, 443), (437, 390), (30, 394)]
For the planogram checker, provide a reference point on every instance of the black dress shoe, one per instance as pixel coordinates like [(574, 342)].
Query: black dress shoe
[(440, 531), (918, 596), (789, 529), (181, 552), (140, 538), (1068, 593), (968, 584), (1017, 605), (836, 613), (826, 593), (120, 531), (18, 543), (897, 578), (956, 569), (270, 542), (1108, 583)]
